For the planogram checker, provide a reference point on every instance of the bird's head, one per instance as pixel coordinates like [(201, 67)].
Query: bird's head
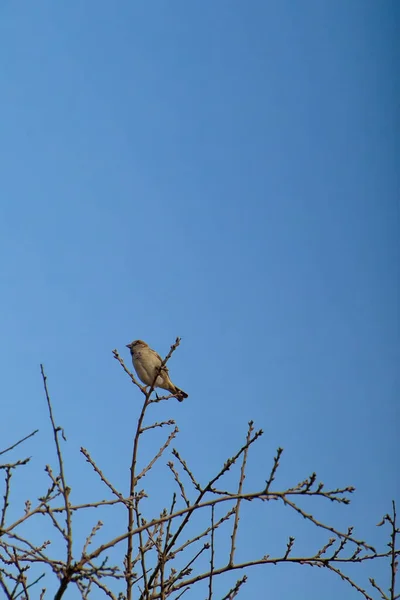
[(136, 345)]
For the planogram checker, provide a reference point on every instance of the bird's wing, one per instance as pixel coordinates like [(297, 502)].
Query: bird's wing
[(164, 368)]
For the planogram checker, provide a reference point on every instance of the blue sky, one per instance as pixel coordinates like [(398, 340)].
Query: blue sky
[(225, 172)]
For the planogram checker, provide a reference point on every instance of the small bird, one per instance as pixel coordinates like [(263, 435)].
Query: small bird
[(146, 362)]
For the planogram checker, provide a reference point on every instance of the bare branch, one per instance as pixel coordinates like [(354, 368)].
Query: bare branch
[(5, 498), (101, 475), (157, 548), (170, 464), (64, 489), (212, 550), (19, 442), (160, 424), (240, 487), (233, 592), (158, 455)]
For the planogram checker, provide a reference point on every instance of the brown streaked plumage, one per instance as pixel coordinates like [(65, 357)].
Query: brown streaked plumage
[(146, 362)]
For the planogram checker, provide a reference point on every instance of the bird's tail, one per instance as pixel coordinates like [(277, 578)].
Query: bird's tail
[(180, 394)]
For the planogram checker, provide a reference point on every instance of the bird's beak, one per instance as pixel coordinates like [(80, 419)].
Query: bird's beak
[(128, 345)]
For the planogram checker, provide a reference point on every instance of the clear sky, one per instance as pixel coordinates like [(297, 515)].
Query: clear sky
[(226, 172)]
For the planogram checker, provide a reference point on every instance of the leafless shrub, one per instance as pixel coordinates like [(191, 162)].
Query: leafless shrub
[(172, 552)]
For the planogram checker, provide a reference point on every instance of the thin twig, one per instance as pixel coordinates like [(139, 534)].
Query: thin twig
[(133, 477), (161, 451), (274, 469), (205, 532), (101, 475), (212, 550), (233, 592), (31, 584), (186, 468), (19, 442), (65, 490), (393, 558), (190, 510), (6, 498), (240, 487), (170, 464), (141, 549), (160, 424)]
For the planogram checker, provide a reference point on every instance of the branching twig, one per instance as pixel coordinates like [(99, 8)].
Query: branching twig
[(133, 477), (19, 442), (212, 550), (101, 474), (64, 489), (240, 487), (154, 545)]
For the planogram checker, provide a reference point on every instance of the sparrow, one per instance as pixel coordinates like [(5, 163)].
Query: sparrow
[(146, 362)]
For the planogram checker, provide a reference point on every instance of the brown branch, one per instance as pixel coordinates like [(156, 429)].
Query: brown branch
[(6, 498), (186, 468), (274, 469), (394, 553), (311, 561), (378, 588), (233, 592), (41, 509), (30, 585), (91, 535), (204, 533), (132, 484), (141, 549), (212, 550), (154, 541), (170, 464), (161, 451), (190, 510), (133, 478), (349, 581), (14, 465), (163, 555), (5, 588), (289, 547), (160, 398), (169, 521), (104, 588), (103, 478), (132, 377), (19, 442), (181, 594), (198, 505), (347, 536), (56, 524), (240, 487), (65, 490), (21, 579), (160, 424), (34, 551), (187, 568)]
